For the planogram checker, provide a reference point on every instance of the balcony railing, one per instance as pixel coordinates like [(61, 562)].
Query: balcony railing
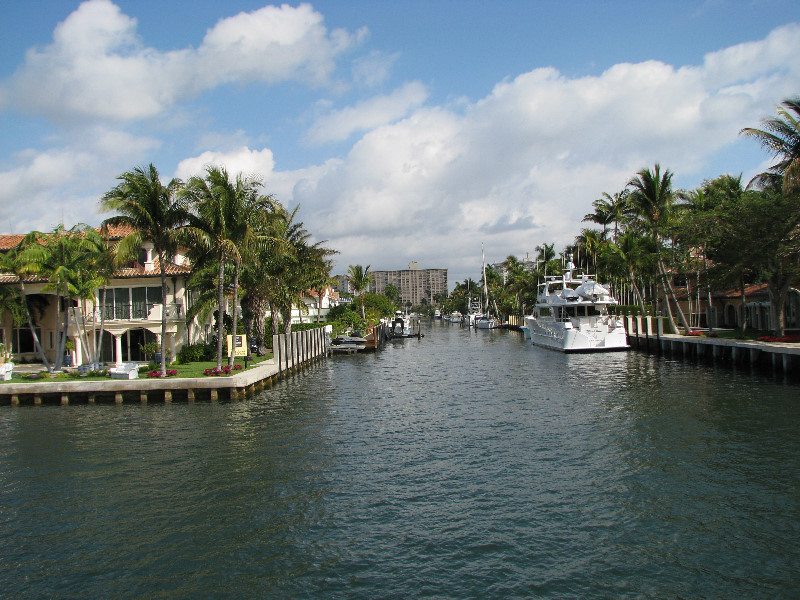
[(137, 311)]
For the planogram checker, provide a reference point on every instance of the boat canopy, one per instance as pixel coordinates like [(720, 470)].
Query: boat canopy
[(591, 290)]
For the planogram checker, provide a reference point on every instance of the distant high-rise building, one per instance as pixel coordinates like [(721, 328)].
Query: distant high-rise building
[(414, 284)]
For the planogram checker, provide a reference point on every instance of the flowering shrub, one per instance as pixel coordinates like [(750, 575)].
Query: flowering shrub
[(226, 370), (170, 373), (696, 333), (785, 338)]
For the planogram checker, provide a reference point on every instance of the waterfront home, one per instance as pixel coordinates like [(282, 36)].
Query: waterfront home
[(315, 305), (131, 314), (729, 310)]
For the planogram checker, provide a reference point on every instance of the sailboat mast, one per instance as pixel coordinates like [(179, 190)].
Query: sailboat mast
[(485, 285)]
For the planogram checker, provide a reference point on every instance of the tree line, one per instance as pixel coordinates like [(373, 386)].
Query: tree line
[(239, 242), (650, 237)]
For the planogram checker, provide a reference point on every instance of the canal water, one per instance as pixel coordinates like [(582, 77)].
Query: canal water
[(461, 465)]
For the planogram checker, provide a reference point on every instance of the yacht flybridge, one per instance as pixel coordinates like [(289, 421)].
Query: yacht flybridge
[(571, 315)]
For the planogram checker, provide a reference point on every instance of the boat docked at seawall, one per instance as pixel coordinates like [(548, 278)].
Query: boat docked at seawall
[(348, 344), (485, 321), (571, 315), (402, 326)]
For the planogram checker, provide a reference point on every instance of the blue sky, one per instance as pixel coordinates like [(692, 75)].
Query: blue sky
[(405, 130)]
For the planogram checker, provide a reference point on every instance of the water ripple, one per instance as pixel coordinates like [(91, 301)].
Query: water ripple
[(463, 465)]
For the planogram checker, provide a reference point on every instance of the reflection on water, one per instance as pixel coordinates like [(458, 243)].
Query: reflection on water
[(466, 464)]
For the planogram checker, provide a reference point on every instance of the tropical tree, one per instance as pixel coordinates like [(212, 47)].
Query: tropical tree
[(781, 183), (631, 248), (652, 202), (63, 258), (393, 293), (94, 274), (14, 300), (320, 279), (156, 214), (222, 222), (359, 278), (781, 137)]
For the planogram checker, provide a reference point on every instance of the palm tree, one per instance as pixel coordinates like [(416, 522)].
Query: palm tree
[(591, 241), (652, 200), (781, 137), (319, 277), (630, 248), (156, 214), (95, 270), (360, 279), (15, 301), (222, 226), (12, 263), (62, 257)]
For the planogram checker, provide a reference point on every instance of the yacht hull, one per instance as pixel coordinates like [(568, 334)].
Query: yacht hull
[(603, 335)]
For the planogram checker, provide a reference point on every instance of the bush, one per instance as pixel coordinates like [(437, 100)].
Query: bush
[(225, 370), (196, 353), (171, 373)]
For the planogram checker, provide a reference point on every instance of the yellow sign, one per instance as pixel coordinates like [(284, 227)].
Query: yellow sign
[(241, 346)]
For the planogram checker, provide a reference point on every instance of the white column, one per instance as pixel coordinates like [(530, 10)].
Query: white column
[(78, 351), (118, 348)]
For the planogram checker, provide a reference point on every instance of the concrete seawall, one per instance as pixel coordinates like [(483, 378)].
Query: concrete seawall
[(291, 353), (647, 334)]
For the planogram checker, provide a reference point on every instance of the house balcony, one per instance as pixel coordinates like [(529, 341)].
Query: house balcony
[(137, 312)]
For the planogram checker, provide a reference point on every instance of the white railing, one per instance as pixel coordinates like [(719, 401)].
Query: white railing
[(133, 312)]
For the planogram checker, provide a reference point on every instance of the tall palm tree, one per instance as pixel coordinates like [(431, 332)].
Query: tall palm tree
[(781, 137), (10, 262), (156, 213), (359, 278), (652, 200), (222, 227), (320, 278), (591, 241), (630, 248), (62, 257)]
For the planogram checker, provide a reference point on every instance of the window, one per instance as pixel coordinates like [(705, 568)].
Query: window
[(22, 339), (131, 303)]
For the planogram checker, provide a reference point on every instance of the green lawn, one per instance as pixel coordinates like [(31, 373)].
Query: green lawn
[(196, 369), (184, 371)]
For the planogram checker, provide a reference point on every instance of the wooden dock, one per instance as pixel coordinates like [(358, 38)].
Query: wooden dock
[(647, 334)]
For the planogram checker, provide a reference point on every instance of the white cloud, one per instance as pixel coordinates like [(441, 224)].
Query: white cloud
[(44, 186), (373, 69), (258, 163), (98, 68), (522, 165), (369, 114), (513, 169)]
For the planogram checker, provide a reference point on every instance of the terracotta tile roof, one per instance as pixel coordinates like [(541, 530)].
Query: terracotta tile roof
[(330, 292), (140, 271), (754, 289), (9, 240), (117, 232), (6, 278)]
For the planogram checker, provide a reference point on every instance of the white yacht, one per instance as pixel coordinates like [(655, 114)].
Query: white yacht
[(473, 311), (485, 321), (571, 315)]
